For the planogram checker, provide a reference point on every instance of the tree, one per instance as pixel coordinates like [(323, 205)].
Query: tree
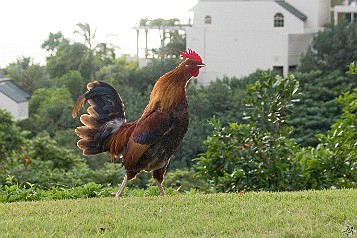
[(256, 155), (28, 75), (147, 76), (333, 162), (105, 54), (11, 137), (53, 42), (172, 40), (176, 44), (50, 110), (87, 61), (85, 57), (334, 48), (96, 55), (43, 163), (322, 79), (316, 108), (73, 81), (68, 57)]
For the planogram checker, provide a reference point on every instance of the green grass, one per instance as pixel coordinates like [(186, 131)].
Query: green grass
[(284, 214)]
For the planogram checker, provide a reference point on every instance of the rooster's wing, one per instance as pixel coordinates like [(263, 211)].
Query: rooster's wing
[(148, 131)]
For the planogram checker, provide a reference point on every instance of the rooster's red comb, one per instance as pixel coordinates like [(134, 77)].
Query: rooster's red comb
[(190, 54)]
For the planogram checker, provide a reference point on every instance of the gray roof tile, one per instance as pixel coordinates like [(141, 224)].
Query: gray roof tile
[(13, 91), (292, 10)]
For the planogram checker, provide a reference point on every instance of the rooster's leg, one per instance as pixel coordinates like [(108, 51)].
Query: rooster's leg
[(159, 178), (122, 186), (161, 189)]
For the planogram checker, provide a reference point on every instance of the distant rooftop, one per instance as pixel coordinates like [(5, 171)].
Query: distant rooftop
[(13, 91), (292, 10)]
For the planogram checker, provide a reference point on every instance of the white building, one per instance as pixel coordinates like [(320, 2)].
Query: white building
[(346, 11), (14, 99), (237, 37)]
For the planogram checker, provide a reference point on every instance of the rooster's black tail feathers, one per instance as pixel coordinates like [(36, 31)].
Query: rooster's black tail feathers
[(106, 115)]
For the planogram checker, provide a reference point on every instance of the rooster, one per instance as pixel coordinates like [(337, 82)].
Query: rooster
[(147, 143)]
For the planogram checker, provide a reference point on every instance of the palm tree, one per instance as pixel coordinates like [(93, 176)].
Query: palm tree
[(85, 31), (87, 62), (144, 22)]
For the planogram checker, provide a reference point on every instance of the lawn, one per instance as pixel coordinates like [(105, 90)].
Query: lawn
[(283, 214)]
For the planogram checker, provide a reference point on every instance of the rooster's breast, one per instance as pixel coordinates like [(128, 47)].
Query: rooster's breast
[(158, 154)]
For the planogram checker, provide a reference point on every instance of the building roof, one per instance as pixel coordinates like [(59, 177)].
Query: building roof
[(13, 91), (292, 10)]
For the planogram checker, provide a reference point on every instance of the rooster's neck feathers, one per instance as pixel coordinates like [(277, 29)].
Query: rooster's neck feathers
[(169, 90)]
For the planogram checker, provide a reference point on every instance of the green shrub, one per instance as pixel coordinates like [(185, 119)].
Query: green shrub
[(183, 180), (242, 157), (257, 155), (44, 163), (11, 138), (333, 162), (31, 192)]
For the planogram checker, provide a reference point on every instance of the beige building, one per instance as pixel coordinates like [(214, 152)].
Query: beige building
[(346, 11), (237, 37), (14, 99)]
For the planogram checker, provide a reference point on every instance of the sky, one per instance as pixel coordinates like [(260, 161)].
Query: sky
[(26, 24)]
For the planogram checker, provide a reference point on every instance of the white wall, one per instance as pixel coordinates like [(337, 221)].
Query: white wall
[(298, 45), (23, 110), (241, 38), (18, 111), (317, 11)]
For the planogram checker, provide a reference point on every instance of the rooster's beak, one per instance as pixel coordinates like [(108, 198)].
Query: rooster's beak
[(201, 65)]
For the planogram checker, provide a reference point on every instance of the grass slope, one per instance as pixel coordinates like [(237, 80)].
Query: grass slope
[(284, 214)]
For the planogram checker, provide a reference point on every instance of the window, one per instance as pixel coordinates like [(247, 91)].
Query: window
[(208, 20), (279, 69), (278, 20), (292, 68)]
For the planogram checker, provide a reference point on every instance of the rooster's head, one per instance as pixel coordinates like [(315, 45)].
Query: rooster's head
[(193, 62)]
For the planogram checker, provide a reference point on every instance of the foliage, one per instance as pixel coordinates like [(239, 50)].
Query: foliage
[(41, 161), (68, 57), (28, 75), (172, 41), (87, 62), (269, 100), (11, 138), (322, 79), (333, 162), (177, 43), (147, 76), (183, 180), (53, 42), (257, 155), (242, 157), (316, 108), (50, 110), (72, 81), (85, 57), (14, 192), (333, 48), (31, 192), (44, 163), (119, 73)]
